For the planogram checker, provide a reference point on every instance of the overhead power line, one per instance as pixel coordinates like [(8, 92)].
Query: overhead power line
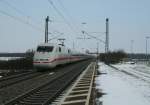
[(13, 7), (65, 20), (20, 20), (18, 11), (93, 37), (68, 14)]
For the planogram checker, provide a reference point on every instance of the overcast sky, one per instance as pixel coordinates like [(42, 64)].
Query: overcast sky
[(22, 23)]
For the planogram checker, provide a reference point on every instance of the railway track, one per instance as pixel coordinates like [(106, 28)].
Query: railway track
[(14, 75), (46, 93), (13, 79), (137, 74), (7, 73)]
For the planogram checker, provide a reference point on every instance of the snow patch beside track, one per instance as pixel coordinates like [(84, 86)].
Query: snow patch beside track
[(122, 89)]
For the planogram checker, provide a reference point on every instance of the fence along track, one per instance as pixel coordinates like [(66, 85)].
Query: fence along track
[(45, 94), (80, 92)]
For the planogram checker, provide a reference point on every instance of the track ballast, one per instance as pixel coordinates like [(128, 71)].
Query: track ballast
[(46, 93), (10, 80)]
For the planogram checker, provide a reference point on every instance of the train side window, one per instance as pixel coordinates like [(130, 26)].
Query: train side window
[(56, 50), (59, 49)]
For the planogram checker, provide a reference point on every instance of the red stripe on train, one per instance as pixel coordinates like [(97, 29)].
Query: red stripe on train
[(59, 59)]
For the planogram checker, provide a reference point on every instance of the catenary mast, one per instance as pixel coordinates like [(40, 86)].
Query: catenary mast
[(107, 36), (46, 29)]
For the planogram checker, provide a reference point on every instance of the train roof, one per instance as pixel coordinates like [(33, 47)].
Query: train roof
[(57, 45), (48, 44)]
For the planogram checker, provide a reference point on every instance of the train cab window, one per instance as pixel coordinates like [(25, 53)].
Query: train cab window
[(68, 51), (45, 48), (59, 49)]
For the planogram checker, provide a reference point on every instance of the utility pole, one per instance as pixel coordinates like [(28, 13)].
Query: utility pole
[(97, 52), (132, 41), (46, 29), (147, 37), (107, 36), (131, 48)]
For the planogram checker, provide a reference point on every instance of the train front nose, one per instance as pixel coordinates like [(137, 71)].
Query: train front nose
[(43, 57), (43, 63)]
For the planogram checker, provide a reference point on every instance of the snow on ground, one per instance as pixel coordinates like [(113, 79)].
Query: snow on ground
[(121, 88), (139, 71), (9, 58)]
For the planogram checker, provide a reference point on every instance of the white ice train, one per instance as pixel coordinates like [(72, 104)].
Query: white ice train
[(50, 55)]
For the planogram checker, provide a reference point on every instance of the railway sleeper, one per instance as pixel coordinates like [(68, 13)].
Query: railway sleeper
[(82, 85), (39, 95), (39, 100), (36, 98), (45, 92), (42, 91), (28, 103)]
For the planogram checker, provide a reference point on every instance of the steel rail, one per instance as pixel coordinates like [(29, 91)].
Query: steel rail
[(133, 74), (5, 82), (14, 76), (45, 94)]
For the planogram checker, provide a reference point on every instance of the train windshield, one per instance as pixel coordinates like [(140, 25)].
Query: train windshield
[(45, 48)]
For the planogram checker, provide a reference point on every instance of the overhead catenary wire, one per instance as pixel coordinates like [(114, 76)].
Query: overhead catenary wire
[(20, 20), (61, 4), (68, 14), (25, 22), (13, 7), (93, 37), (62, 16), (19, 11), (90, 36)]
